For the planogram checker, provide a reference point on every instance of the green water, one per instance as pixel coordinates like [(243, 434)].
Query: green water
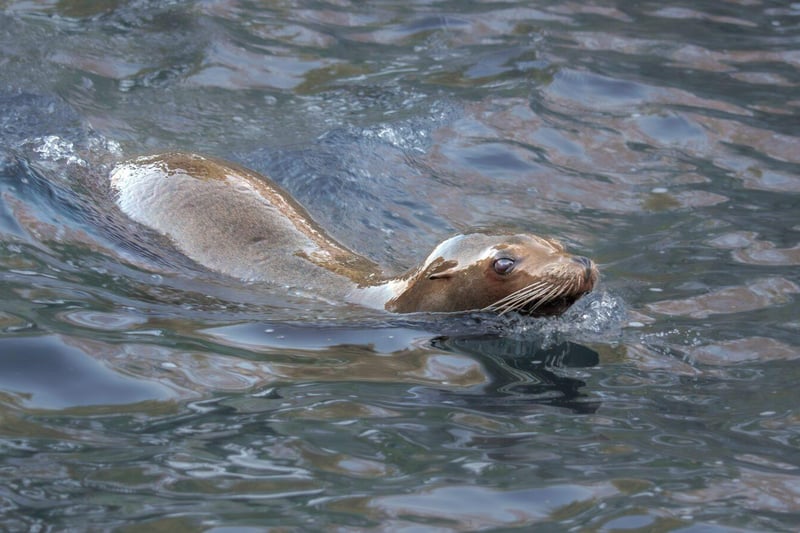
[(138, 392)]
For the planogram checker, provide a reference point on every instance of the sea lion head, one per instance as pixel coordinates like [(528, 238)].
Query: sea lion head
[(499, 273)]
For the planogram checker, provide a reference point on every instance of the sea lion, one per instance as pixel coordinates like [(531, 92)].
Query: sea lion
[(239, 223)]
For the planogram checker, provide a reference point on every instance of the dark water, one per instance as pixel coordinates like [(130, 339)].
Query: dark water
[(661, 139)]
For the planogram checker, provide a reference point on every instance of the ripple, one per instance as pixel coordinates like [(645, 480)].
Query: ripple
[(673, 129), (758, 294), (576, 89), (760, 349), (680, 441), (765, 253), (752, 489), (47, 373), (469, 507), (116, 321), (230, 66), (269, 336)]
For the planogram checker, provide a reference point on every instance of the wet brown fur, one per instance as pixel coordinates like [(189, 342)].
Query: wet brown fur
[(239, 223), (545, 279)]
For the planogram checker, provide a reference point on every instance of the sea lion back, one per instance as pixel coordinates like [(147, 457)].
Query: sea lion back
[(227, 218)]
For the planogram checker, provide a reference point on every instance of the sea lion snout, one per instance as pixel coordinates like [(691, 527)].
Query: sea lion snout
[(589, 268), (585, 261)]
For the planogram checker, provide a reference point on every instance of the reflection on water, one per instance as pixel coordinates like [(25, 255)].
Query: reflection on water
[(526, 372), (44, 373), (139, 390)]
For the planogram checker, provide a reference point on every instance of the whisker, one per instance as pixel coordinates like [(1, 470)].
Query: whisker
[(548, 296), (536, 295), (519, 298)]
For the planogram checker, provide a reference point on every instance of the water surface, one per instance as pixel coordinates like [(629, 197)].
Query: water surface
[(661, 139)]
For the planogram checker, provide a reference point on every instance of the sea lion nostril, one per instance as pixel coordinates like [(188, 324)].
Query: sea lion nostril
[(587, 265), (584, 261)]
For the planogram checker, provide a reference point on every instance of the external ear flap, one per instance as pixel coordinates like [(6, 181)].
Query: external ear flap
[(443, 269)]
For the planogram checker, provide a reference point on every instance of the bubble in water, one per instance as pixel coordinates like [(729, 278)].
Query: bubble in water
[(54, 148), (598, 314)]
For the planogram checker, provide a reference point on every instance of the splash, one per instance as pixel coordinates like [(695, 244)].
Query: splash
[(597, 316), (54, 148)]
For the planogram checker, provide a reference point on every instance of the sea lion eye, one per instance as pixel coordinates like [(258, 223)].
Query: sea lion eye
[(503, 265)]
